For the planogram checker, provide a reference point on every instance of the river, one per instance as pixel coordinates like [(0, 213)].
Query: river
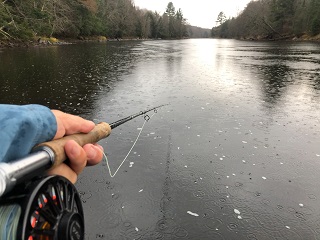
[(235, 154)]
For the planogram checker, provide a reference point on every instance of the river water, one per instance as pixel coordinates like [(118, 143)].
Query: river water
[(236, 154)]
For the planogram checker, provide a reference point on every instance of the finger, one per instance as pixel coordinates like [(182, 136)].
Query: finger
[(60, 128), (94, 153), (74, 124), (69, 124), (99, 146), (65, 171), (76, 155)]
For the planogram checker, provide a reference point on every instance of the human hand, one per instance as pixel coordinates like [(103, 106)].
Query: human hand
[(79, 157)]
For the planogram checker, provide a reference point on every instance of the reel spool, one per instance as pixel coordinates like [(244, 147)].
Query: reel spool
[(48, 208)]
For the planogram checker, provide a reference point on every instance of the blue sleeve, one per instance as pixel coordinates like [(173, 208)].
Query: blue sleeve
[(22, 127)]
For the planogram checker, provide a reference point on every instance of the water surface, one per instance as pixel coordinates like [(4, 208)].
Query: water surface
[(236, 154)]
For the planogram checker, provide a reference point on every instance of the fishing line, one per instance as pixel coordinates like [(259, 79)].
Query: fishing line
[(9, 219), (146, 119), (35, 215)]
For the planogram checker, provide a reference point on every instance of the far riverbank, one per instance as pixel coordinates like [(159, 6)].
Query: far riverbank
[(44, 41)]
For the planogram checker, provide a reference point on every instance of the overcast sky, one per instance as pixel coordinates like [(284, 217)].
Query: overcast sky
[(201, 13)]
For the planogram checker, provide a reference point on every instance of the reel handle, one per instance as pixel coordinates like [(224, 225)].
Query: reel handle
[(100, 131)]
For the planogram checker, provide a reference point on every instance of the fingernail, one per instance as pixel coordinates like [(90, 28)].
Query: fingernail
[(91, 154)]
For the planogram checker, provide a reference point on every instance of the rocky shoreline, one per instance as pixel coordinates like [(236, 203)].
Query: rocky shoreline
[(43, 41), (302, 38), (31, 43)]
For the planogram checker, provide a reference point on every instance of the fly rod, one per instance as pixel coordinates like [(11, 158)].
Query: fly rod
[(51, 154)]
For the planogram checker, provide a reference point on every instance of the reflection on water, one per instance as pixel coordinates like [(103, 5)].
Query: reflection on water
[(234, 156), (66, 77)]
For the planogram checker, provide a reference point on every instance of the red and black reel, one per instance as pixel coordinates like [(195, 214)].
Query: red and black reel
[(50, 209)]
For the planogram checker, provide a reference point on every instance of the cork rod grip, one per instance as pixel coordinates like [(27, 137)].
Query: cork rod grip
[(100, 131)]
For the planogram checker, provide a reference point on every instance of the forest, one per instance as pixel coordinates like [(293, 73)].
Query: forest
[(31, 19), (273, 20), (116, 19)]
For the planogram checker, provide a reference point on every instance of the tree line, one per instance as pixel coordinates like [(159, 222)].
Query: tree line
[(271, 19), (25, 19)]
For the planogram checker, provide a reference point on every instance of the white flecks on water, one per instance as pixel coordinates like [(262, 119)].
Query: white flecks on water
[(318, 155), (140, 190), (264, 178), (244, 142), (185, 166), (139, 129), (244, 161), (193, 214), (221, 159), (137, 229), (152, 133), (198, 135), (131, 164), (233, 174), (287, 227), (228, 176), (301, 205), (239, 217), (236, 211)]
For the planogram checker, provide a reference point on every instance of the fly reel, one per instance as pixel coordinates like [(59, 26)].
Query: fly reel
[(48, 208)]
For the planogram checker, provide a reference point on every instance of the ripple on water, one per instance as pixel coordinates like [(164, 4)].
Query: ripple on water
[(150, 197), (317, 225), (290, 234), (312, 197), (221, 189), (301, 210), (156, 235), (84, 196), (211, 235), (258, 234), (180, 232), (166, 226), (108, 221), (232, 226), (200, 194), (218, 208), (185, 179), (213, 223), (131, 233), (272, 222)]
